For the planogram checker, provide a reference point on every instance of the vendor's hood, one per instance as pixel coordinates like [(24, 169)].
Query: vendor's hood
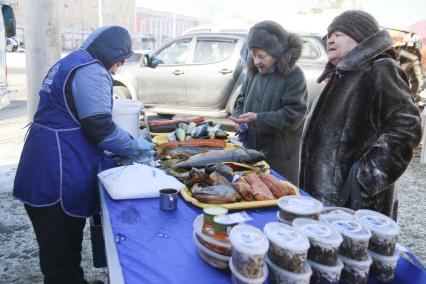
[(109, 45)]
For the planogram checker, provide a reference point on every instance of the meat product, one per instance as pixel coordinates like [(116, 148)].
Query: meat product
[(259, 189), (277, 188), (244, 189)]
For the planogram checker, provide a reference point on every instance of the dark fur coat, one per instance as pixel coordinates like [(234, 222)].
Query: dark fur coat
[(364, 117), (280, 100)]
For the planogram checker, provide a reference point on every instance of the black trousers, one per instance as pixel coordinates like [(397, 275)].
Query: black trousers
[(59, 237)]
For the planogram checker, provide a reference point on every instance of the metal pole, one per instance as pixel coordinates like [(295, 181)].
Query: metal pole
[(42, 44), (100, 15)]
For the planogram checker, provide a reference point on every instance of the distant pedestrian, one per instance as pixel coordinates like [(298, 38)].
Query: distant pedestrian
[(360, 135), (56, 176), (273, 99)]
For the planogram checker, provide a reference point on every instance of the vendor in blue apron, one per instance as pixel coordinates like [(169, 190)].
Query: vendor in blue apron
[(56, 176)]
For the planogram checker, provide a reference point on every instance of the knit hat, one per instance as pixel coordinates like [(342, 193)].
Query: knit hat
[(269, 36), (355, 23)]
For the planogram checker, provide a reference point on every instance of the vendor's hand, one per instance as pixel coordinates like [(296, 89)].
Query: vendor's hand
[(144, 145), (244, 118)]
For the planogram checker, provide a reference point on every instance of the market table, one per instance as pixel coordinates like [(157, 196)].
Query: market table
[(147, 245)]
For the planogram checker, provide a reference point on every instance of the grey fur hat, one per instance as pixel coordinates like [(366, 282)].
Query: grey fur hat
[(355, 23), (269, 36)]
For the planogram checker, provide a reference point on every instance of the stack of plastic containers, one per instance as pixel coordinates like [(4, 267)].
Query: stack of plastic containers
[(323, 254), (287, 255), (214, 252), (249, 247), (382, 243), (353, 250), (296, 206)]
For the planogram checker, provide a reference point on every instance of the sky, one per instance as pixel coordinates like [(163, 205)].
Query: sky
[(398, 14)]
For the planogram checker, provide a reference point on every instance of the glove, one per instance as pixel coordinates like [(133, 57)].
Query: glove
[(144, 145), (351, 193)]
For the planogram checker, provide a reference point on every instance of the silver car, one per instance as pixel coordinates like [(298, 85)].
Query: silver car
[(202, 74)]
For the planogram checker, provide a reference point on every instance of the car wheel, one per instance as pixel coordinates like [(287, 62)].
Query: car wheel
[(121, 92)]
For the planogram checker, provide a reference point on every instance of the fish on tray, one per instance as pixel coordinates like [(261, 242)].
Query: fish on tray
[(220, 156), (215, 194)]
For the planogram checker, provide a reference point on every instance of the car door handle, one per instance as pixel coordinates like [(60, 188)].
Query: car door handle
[(178, 72), (225, 71)]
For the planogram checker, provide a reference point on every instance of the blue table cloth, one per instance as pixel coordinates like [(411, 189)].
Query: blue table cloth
[(156, 246)]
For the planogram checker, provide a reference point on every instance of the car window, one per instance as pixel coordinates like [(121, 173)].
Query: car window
[(211, 50), (309, 50), (175, 53)]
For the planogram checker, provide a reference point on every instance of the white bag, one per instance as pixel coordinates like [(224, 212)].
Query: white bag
[(136, 181)]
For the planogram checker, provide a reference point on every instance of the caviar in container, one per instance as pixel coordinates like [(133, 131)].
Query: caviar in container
[(383, 267), (212, 258), (324, 240), (249, 247), (209, 213), (355, 271), (288, 248), (277, 275), (238, 278), (223, 224), (384, 231), (355, 235), (295, 206), (323, 274), (209, 242)]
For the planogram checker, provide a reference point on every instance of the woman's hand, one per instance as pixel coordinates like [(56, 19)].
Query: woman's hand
[(244, 118)]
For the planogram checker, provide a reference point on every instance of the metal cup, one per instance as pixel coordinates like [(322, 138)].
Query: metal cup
[(168, 199)]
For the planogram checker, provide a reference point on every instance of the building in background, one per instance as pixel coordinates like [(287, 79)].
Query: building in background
[(81, 17), (154, 28)]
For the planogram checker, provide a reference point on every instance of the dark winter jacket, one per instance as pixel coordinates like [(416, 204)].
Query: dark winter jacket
[(359, 137), (279, 99)]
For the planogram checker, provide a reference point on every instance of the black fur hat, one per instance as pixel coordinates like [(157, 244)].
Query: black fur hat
[(355, 23), (269, 36)]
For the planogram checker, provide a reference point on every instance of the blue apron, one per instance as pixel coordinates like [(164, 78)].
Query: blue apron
[(58, 163)]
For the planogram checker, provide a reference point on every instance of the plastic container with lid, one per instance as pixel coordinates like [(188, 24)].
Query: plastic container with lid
[(211, 257), (355, 271), (325, 241), (288, 248), (277, 275), (326, 274), (296, 206), (209, 242), (383, 267), (384, 231), (355, 235), (238, 278), (343, 211), (249, 247)]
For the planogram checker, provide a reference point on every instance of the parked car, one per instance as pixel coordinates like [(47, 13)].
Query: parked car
[(201, 74)]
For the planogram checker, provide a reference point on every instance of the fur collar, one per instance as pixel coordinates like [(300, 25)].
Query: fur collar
[(370, 48)]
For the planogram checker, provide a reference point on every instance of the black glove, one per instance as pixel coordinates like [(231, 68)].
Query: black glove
[(350, 195)]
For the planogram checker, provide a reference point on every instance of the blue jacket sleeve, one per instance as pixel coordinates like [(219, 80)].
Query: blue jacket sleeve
[(91, 90)]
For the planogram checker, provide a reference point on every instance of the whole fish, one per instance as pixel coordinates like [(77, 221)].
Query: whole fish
[(220, 156), (188, 151), (214, 194)]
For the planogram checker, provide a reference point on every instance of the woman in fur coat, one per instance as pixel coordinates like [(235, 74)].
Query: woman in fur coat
[(359, 137), (273, 99)]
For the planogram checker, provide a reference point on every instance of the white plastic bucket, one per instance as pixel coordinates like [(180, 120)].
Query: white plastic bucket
[(125, 113)]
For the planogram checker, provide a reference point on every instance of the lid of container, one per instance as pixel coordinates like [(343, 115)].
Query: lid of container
[(331, 269), (198, 229), (346, 212), (288, 274), (347, 226), (215, 210), (359, 264), (209, 252), (301, 205), (318, 231), (247, 280), (286, 237), (385, 258), (248, 240), (377, 222)]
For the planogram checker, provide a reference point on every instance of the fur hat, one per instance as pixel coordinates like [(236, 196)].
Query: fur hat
[(355, 23), (269, 36)]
